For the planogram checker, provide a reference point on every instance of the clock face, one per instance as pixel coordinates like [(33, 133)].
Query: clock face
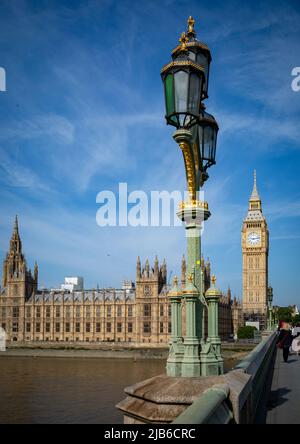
[(253, 238)]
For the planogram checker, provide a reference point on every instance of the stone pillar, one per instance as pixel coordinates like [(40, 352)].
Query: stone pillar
[(211, 358), (174, 361), (191, 360)]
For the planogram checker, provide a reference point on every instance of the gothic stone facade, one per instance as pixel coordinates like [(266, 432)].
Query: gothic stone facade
[(140, 316), (255, 250)]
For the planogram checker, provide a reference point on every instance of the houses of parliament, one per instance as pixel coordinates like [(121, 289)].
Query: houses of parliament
[(137, 314)]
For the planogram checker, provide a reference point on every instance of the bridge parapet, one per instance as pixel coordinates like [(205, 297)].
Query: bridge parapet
[(241, 396)]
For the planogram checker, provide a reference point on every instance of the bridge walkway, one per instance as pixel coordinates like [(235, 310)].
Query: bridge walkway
[(284, 399)]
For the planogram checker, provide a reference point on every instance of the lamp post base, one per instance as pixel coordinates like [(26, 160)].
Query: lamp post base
[(174, 362)]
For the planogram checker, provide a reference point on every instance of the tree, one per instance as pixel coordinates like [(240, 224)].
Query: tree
[(285, 314), (296, 319), (246, 332)]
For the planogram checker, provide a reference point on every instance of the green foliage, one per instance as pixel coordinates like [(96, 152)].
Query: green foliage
[(284, 314), (246, 332), (296, 319)]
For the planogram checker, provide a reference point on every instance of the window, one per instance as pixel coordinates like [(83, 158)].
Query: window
[(147, 290), (88, 327), (98, 327), (147, 327), (98, 311), (57, 327), (147, 310), (108, 312), (48, 327), (130, 311), (77, 327), (28, 327), (108, 327), (15, 327), (68, 312), (169, 328), (88, 312), (119, 311), (161, 310), (68, 327), (3, 312), (38, 328), (169, 310), (119, 327), (28, 312), (250, 263), (3, 325), (161, 327), (15, 312), (38, 312), (57, 312), (48, 312), (77, 312), (129, 327)]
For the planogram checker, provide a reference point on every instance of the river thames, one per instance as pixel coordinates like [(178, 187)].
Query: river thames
[(68, 390)]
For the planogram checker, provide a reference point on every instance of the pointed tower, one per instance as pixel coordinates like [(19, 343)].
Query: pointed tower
[(18, 285), (138, 268), (147, 269), (255, 250), (156, 267), (36, 275), (229, 295)]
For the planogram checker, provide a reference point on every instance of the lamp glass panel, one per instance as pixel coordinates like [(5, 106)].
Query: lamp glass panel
[(203, 61), (169, 92), (181, 91), (192, 56), (194, 93)]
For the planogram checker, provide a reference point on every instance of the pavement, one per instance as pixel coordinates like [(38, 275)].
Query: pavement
[(284, 400)]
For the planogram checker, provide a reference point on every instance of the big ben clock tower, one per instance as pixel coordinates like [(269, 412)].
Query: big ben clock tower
[(255, 249)]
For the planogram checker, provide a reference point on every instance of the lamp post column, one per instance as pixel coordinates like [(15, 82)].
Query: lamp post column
[(211, 359), (191, 366), (175, 358)]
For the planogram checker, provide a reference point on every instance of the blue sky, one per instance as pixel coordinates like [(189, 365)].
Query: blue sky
[(84, 110)]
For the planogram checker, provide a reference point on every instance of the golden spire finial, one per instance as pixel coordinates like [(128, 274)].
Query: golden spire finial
[(191, 24), (175, 281), (213, 279), (183, 40), (190, 278)]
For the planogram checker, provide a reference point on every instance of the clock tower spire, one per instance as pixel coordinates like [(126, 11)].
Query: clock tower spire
[(255, 250)]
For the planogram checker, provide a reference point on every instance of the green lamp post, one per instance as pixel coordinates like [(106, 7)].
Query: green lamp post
[(185, 81), (270, 309)]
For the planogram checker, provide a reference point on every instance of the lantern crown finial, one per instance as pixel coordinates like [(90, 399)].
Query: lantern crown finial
[(183, 40), (213, 280), (191, 24)]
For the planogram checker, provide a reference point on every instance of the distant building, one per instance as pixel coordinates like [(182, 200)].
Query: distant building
[(128, 285), (137, 313), (255, 250), (73, 284), (2, 340)]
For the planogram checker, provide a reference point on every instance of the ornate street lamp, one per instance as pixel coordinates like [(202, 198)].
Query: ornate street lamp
[(205, 135), (198, 52), (185, 82)]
